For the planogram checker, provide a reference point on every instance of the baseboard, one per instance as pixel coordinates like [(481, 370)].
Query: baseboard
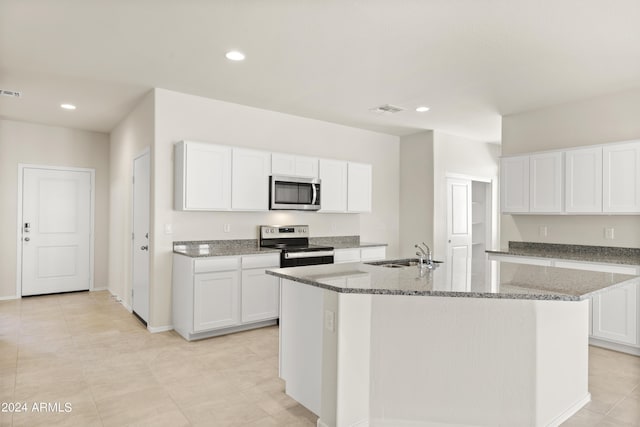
[(157, 329), (120, 300), (570, 411), (615, 346), (361, 423), (9, 298), (410, 423), (101, 288)]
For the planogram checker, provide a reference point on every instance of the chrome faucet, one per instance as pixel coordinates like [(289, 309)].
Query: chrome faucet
[(424, 255)]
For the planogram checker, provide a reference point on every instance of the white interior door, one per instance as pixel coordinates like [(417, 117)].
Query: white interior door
[(459, 233), (140, 252), (56, 230)]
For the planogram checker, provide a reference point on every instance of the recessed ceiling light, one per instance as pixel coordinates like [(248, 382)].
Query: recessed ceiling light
[(422, 109), (234, 55), (68, 106)]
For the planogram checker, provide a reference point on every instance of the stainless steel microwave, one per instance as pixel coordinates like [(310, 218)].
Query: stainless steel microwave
[(294, 193)]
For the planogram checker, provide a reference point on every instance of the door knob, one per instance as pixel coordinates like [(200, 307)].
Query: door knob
[(26, 239), (144, 248)]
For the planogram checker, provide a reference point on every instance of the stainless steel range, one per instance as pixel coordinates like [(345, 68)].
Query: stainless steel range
[(294, 242)]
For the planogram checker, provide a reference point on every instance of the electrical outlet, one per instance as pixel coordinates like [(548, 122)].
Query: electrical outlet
[(329, 320), (226, 228), (168, 229), (609, 233), (543, 231)]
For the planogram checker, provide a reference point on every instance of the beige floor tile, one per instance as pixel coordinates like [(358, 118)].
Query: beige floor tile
[(627, 411), (134, 407)]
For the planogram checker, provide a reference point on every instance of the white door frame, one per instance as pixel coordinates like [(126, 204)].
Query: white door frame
[(133, 167), (21, 168)]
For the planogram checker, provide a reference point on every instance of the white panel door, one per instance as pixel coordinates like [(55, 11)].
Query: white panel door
[(621, 178), (140, 251), (459, 234), (56, 238), (306, 166), (283, 164), (333, 187), (359, 189), (250, 180), (583, 180), (545, 183), (514, 184)]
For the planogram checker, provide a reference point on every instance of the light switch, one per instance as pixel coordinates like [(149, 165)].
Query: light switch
[(226, 228), (168, 229)]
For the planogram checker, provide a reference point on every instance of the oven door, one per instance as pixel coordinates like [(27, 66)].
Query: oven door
[(294, 193), (301, 258)]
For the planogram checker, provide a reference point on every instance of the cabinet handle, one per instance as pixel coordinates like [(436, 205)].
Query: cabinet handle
[(144, 248)]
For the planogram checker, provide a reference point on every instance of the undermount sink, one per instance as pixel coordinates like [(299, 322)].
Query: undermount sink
[(400, 263)]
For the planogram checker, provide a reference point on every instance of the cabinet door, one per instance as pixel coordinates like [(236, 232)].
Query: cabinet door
[(250, 180), (216, 300), (260, 295), (359, 187), (283, 164), (202, 176), (583, 180), (373, 254), (545, 183), (514, 184), (306, 167), (615, 315), (621, 178), (346, 255), (333, 175)]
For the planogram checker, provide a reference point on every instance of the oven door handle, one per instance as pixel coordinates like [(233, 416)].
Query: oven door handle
[(313, 254)]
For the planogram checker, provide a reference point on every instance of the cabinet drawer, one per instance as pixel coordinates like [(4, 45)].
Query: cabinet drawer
[(206, 265), (605, 268), (261, 261)]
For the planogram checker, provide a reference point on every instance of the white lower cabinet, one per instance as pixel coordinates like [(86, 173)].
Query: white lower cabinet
[(615, 314), (218, 295), (260, 295), (215, 300)]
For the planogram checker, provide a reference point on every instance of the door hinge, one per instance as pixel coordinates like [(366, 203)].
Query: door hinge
[(133, 180), (133, 236)]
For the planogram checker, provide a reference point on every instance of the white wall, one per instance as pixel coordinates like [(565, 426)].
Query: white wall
[(22, 142), (458, 155), (598, 120), (128, 140), (186, 117), (416, 191)]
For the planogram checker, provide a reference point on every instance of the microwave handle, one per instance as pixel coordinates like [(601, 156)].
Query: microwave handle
[(315, 193)]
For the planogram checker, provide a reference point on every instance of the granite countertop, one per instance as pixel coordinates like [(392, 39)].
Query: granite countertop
[(510, 281), (604, 254), (208, 248)]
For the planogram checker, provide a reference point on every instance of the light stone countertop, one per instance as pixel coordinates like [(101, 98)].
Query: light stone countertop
[(514, 281), (210, 248), (602, 254)]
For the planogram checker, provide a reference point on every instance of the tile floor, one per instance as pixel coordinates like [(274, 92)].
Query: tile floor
[(87, 350)]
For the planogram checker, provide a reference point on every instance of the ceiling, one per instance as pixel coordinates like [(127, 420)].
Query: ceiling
[(471, 61)]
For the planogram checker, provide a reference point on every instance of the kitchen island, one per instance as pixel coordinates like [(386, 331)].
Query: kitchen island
[(500, 345)]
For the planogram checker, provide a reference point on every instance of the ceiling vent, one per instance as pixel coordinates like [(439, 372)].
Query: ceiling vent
[(387, 109), (11, 93)]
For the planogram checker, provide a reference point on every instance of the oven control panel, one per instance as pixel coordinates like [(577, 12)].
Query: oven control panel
[(283, 231)]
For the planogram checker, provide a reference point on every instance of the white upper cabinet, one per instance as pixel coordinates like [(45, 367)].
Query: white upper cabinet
[(621, 177), (514, 184), (545, 183), (202, 176), (583, 180), (250, 179), (359, 178), (291, 165), (333, 187)]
